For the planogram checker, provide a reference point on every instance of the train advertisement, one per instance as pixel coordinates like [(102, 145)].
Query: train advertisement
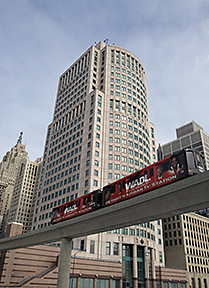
[(172, 169)]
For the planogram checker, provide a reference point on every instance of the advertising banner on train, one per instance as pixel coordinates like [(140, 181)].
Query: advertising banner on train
[(147, 179)]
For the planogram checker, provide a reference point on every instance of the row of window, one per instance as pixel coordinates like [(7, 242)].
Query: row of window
[(129, 120), (197, 260), (89, 283), (197, 252), (122, 77), (125, 60), (67, 105), (75, 70), (67, 93), (198, 269), (63, 93)]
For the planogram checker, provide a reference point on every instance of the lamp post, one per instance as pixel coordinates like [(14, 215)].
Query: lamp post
[(71, 285), (147, 268)]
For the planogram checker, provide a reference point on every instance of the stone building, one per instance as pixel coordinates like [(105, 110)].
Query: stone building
[(38, 267), (24, 194), (8, 172)]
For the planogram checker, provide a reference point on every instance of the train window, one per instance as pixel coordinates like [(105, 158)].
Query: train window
[(151, 172), (199, 161)]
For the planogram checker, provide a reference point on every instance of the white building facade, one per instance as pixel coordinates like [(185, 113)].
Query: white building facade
[(100, 133)]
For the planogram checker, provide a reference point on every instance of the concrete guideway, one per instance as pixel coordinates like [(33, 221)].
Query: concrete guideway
[(180, 197)]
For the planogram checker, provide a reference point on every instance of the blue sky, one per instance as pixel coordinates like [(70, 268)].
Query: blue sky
[(40, 39)]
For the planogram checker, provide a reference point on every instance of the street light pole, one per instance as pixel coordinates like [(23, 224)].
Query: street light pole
[(72, 280), (147, 268)]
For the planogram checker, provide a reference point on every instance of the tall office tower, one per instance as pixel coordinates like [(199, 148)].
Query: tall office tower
[(24, 194), (186, 239), (186, 236), (192, 136), (100, 133), (8, 172)]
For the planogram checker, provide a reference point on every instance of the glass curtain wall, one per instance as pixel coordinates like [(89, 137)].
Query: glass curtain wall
[(127, 266)]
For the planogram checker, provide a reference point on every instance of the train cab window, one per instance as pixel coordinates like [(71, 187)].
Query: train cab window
[(190, 159), (198, 161)]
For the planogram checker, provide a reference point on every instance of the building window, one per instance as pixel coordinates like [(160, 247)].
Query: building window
[(73, 282), (160, 256), (82, 245), (92, 246), (115, 283), (125, 231), (183, 285), (173, 285), (103, 283), (86, 283), (108, 248), (115, 248), (132, 232)]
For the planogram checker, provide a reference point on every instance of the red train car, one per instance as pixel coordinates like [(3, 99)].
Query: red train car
[(173, 168), (79, 206)]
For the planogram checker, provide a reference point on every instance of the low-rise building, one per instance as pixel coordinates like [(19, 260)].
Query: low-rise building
[(38, 267)]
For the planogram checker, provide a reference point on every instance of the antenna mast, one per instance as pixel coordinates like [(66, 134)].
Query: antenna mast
[(19, 141)]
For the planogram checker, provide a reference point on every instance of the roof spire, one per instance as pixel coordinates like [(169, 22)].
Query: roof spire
[(19, 141)]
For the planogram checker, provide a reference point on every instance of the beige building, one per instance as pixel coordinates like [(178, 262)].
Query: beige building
[(186, 236), (190, 135), (8, 171), (24, 194), (100, 132), (186, 239), (38, 267)]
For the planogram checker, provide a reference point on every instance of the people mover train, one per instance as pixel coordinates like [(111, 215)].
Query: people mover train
[(179, 165)]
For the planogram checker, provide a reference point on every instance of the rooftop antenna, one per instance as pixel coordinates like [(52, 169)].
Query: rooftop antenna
[(19, 141)]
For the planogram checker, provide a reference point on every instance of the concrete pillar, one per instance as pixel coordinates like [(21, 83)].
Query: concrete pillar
[(64, 263), (135, 273)]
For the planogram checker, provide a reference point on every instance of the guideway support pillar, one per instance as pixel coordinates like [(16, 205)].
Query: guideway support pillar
[(64, 263)]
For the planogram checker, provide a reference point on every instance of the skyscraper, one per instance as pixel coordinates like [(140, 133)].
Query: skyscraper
[(24, 194), (100, 132), (186, 236), (8, 172)]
